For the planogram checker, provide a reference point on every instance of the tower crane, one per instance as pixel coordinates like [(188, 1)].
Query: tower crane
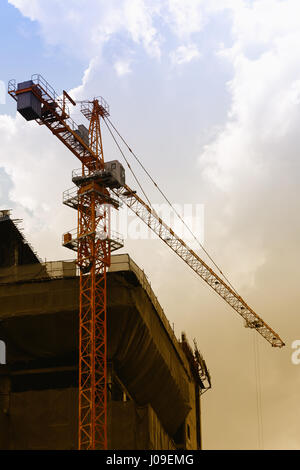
[(101, 186)]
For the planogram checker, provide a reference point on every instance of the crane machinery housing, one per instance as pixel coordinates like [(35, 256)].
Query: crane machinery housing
[(101, 186)]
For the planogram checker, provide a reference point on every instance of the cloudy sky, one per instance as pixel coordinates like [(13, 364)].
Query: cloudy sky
[(207, 93)]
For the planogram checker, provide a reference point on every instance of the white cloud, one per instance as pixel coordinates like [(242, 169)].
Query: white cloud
[(122, 67), (84, 29), (252, 161), (186, 17), (39, 170), (139, 22), (264, 90), (30, 8), (185, 54)]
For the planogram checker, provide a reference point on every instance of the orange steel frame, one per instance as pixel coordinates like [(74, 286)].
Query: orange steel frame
[(94, 253), (93, 260)]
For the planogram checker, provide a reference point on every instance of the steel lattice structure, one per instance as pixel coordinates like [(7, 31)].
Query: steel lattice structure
[(158, 226), (93, 244), (56, 117), (93, 259)]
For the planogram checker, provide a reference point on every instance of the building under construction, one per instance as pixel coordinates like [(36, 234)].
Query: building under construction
[(154, 381), (90, 356)]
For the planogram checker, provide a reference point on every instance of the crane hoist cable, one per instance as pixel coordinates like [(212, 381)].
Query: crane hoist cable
[(128, 164), (165, 197)]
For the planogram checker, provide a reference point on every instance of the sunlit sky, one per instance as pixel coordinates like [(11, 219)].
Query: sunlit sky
[(207, 93)]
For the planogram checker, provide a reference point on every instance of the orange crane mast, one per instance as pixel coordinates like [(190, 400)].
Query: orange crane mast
[(101, 186), (37, 100)]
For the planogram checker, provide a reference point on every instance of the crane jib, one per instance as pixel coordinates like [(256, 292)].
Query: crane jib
[(156, 224), (54, 114)]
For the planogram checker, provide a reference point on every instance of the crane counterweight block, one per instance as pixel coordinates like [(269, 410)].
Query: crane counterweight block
[(38, 100), (28, 104)]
